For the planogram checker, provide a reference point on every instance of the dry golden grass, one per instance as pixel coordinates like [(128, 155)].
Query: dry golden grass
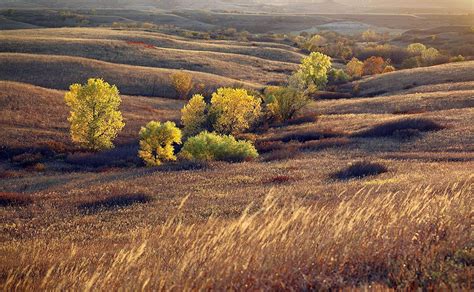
[(264, 50), (236, 66), (282, 222), (416, 238), (407, 79), (28, 113), (59, 72)]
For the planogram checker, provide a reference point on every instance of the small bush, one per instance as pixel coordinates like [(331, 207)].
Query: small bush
[(156, 142), (355, 68), (313, 71), (284, 103), (459, 58), (211, 146), (14, 200), (114, 202), (374, 65), (182, 83), (394, 128), (359, 170), (338, 76)]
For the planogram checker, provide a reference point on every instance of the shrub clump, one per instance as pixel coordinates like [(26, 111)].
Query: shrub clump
[(212, 146), (283, 103), (360, 169), (400, 128), (182, 83), (156, 142)]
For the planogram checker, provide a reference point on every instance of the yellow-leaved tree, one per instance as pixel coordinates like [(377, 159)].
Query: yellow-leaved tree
[(156, 142), (94, 114), (355, 68), (233, 111), (312, 74), (194, 116), (182, 83)]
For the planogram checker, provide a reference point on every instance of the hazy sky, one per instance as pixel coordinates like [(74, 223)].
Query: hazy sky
[(219, 4)]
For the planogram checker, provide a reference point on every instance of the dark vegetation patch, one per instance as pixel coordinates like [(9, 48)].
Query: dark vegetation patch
[(360, 169), (306, 119), (307, 135), (325, 143), (183, 166), (409, 112), (114, 202), (14, 200), (401, 129), (285, 152), (121, 156), (280, 179), (329, 95)]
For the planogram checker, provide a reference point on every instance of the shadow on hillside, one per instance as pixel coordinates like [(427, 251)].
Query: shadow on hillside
[(113, 202)]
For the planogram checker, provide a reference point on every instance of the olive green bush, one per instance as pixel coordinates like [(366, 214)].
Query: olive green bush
[(208, 146)]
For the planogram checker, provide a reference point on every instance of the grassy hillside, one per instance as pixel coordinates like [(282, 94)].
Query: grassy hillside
[(122, 221), (264, 50), (369, 192), (407, 79), (234, 66), (25, 124), (59, 72)]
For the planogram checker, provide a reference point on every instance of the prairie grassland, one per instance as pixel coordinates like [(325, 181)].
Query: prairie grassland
[(59, 72), (71, 220), (236, 66), (407, 79), (28, 112), (415, 238), (265, 50)]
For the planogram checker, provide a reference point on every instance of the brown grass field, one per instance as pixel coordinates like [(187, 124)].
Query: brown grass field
[(373, 192)]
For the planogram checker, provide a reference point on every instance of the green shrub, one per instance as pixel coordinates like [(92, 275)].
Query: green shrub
[(156, 142), (284, 103), (338, 76), (211, 146), (459, 58)]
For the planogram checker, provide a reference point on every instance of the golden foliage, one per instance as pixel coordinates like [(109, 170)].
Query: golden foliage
[(182, 83), (355, 68), (94, 117), (156, 142), (233, 111), (194, 116)]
